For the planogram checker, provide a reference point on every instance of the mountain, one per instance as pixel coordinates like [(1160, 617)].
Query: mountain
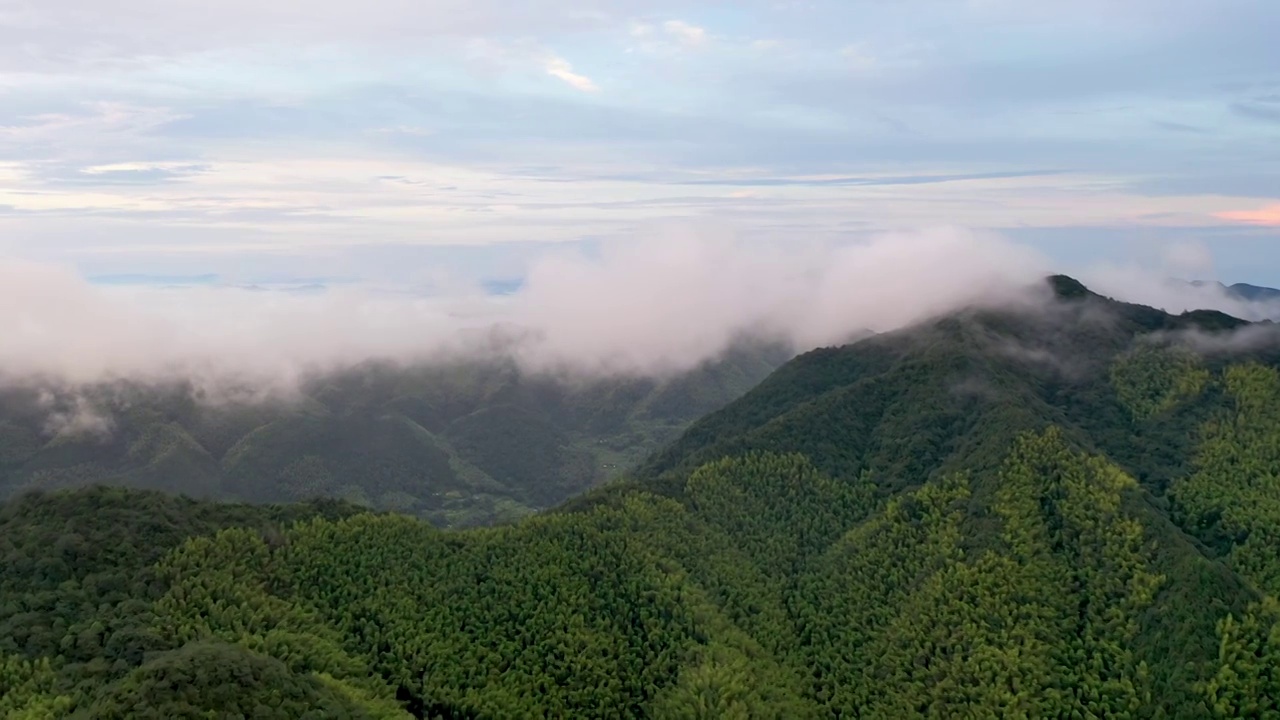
[(1245, 291), (1065, 507), (459, 443), (1242, 291)]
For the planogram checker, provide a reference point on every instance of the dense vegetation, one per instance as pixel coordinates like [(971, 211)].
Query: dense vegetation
[(455, 443), (1069, 512)]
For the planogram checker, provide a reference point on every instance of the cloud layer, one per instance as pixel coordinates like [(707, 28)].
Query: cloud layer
[(655, 306)]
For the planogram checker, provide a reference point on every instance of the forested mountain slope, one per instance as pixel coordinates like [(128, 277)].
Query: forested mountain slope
[(458, 443), (1068, 508)]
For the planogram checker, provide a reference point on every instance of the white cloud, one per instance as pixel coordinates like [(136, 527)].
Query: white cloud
[(660, 305), (73, 416), (138, 167), (1154, 287), (558, 67), (684, 33)]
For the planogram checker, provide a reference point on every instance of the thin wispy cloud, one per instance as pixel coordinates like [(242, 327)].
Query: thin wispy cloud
[(560, 68), (685, 33), (1268, 216)]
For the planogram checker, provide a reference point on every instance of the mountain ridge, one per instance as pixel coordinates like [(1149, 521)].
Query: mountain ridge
[(1242, 291), (1059, 508)]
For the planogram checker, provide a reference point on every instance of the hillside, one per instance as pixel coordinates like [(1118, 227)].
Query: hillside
[(460, 443), (1064, 508)]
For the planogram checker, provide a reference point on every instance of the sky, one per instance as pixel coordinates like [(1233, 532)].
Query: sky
[(422, 141)]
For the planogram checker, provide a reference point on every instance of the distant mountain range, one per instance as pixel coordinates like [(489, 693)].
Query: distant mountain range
[(1254, 292), (1243, 291)]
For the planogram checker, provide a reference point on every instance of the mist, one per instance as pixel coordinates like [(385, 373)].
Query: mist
[(1146, 286), (652, 306)]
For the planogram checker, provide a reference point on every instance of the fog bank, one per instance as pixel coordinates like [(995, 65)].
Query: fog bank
[(653, 306)]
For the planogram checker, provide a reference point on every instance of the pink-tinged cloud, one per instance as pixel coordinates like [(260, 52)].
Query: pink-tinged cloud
[(1268, 216)]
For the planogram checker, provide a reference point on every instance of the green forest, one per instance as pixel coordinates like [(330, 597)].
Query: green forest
[(1062, 511)]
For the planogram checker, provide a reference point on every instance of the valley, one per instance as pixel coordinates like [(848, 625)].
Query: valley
[(459, 443)]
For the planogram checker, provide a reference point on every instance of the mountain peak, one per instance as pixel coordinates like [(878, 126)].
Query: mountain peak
[(1067, 288)]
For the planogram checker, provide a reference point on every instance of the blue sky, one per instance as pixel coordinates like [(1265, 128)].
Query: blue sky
[(404, 139)]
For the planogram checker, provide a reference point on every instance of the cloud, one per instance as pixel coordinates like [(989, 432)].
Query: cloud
[(661, 305), (670, 41), (141, 167), (1250, 338), (1154, 287), (73, 416), (684, 33), (653, 305), (560, 68), (1268, 216), (680, 298)]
